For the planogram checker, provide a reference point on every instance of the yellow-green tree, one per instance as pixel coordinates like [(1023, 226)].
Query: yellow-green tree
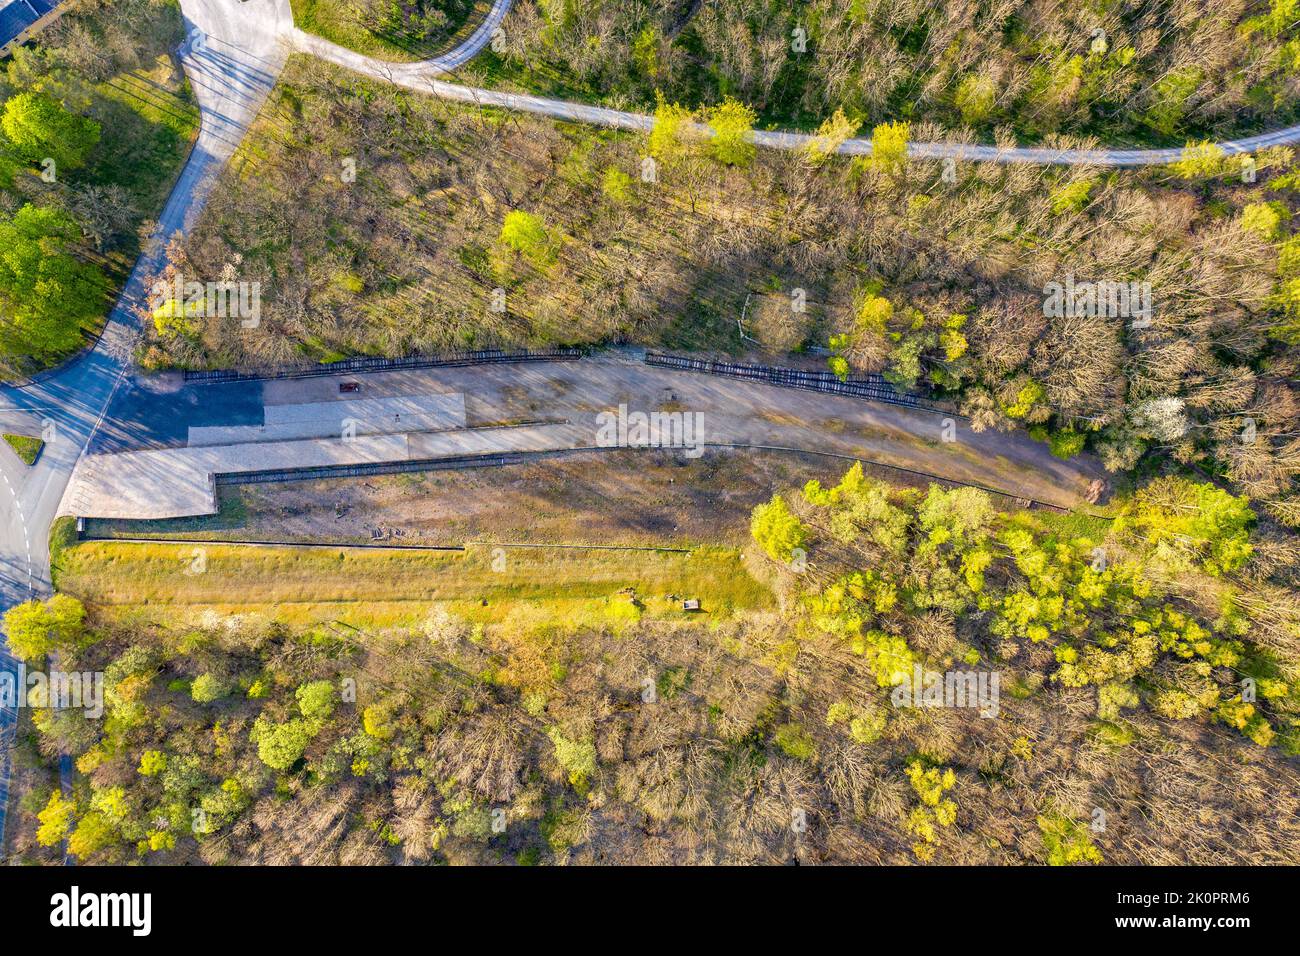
[(38, 628), (889, 147), (732, 123), (831, 135)]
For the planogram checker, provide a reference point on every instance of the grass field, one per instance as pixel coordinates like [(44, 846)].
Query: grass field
[(556, 587)]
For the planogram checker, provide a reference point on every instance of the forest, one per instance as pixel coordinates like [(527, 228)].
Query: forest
[(1149, 73), (1146, 708)]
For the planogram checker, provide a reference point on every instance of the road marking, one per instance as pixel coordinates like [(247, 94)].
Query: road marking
[(27, 541)]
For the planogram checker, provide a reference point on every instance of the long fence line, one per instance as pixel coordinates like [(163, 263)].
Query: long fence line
[(872, 387), (374, 364), (375, 546), (403, 466)]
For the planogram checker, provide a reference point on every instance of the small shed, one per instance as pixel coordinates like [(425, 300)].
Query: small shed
[(691, 604)]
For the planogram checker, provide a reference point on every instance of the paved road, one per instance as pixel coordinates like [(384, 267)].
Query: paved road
[(232, 65)]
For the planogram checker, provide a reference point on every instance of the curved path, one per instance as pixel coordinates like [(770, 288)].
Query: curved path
[(426, 77)]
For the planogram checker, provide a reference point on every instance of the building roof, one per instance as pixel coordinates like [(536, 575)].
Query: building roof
[(19, 15)]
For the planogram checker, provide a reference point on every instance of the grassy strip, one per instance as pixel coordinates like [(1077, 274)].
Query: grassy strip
[(560, 587), (26, 447)]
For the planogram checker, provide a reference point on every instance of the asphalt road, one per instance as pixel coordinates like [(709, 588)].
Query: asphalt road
[(232, 63)]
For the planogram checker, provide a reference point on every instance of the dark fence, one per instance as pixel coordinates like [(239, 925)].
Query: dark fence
[(871, 387), (364, 469), (369, 364)]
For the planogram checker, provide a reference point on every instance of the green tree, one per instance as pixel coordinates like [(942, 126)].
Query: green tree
[(280, 746), (93, 832), (316, 700), (975, 98), (889, 146), (1266, 219), (46, 295), (207, 688), (1066, 442), (831, 135), (1199, 161), (152, 762), (577, 757), (37, 628), (732, 142), (671, 136), (776, 530), (38, 127), (1193, 519), (525, 233), (55, 820)]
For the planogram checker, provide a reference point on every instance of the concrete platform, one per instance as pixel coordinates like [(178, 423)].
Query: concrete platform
[(173, 482), (330, 419)]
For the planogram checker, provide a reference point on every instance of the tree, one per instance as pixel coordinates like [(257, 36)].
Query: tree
[(1194, 519), (889, 146), (1266, 219), (280, 746), (56, 819), (525, 233), (46, 295), (975, 98), (93, 833), (152, 762), (38, 127), (776, 530), (831, 135), (207, 688), (37, 628), (672, 132), (733, 127), (1199, 161), (316, 700), (1066, 442)]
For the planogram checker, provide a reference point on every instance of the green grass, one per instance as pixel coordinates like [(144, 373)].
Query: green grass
[(534, 588), (26, 447), (338, 22), (63, 535)]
